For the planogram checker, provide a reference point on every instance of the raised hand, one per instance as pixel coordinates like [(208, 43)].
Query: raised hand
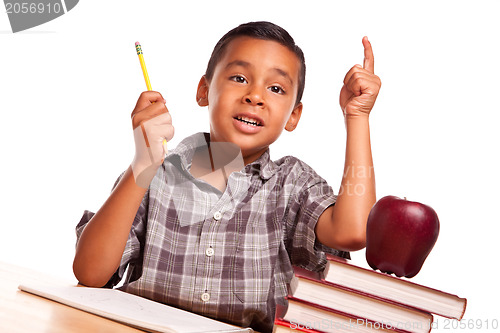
[(361, 86), (152, 125)]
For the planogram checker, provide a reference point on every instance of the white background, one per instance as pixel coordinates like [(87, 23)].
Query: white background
[(67, 89)]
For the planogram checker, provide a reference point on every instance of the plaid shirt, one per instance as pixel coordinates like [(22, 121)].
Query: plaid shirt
[(227, 255)]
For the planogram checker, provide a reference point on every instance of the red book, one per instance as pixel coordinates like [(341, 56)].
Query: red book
[(303, 316), (309, 286), (340, 271)]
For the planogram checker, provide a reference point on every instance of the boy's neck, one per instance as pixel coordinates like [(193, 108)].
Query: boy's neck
[(233, 149), (215, 161)]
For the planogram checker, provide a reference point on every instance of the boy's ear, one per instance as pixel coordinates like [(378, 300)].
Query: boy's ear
[(202, 92), (294, 118)]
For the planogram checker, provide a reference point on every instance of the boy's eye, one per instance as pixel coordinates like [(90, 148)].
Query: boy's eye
[(238, 78), (277, 90)]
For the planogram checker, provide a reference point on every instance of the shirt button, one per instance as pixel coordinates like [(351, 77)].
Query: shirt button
[(209, 252), (217, 216), (205, 297)]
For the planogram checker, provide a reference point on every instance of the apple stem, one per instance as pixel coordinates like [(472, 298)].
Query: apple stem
[(405, 198)]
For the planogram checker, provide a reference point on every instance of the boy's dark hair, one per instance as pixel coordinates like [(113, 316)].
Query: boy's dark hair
[(260, 30)]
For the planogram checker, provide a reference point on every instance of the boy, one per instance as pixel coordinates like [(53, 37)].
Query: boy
[(216, 226)]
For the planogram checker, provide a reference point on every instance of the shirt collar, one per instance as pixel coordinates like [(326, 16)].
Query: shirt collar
[(184, 151), (263, 166)]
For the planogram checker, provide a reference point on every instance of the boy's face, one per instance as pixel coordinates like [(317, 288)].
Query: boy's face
[(251, 97)]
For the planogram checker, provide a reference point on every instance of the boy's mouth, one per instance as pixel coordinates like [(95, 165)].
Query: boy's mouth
[(249, 121)]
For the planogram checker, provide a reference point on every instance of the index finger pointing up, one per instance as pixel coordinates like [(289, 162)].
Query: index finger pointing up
[(368, 62)]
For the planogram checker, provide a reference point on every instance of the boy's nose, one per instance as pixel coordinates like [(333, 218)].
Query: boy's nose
[(251, 101), (253, 98)]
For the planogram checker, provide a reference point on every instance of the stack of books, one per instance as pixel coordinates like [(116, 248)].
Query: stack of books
[(347, 298)]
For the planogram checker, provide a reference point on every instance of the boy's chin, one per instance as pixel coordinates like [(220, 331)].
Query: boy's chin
[(250, 146)]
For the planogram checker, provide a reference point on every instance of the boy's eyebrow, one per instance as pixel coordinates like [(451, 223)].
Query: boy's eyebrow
[(284, 74), (246, 64), (238, 63)]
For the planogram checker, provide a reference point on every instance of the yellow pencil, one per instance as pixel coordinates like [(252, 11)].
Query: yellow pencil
[(138, 48)]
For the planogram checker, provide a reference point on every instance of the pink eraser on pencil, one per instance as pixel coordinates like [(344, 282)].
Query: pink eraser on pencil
[(137, 43)]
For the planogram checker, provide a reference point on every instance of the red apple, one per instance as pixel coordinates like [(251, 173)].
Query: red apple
[(400, 234)]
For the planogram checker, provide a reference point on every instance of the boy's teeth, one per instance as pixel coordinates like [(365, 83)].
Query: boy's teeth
[(249, 121)]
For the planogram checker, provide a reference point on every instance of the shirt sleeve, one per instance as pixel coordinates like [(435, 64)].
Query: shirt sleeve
[(132, 254), (312, 196)]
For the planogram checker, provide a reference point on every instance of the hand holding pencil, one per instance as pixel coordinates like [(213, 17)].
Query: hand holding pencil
[(152, 126), (138, 48)]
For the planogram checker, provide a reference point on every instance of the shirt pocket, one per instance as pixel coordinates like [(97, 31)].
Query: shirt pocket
[(255, 261)]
